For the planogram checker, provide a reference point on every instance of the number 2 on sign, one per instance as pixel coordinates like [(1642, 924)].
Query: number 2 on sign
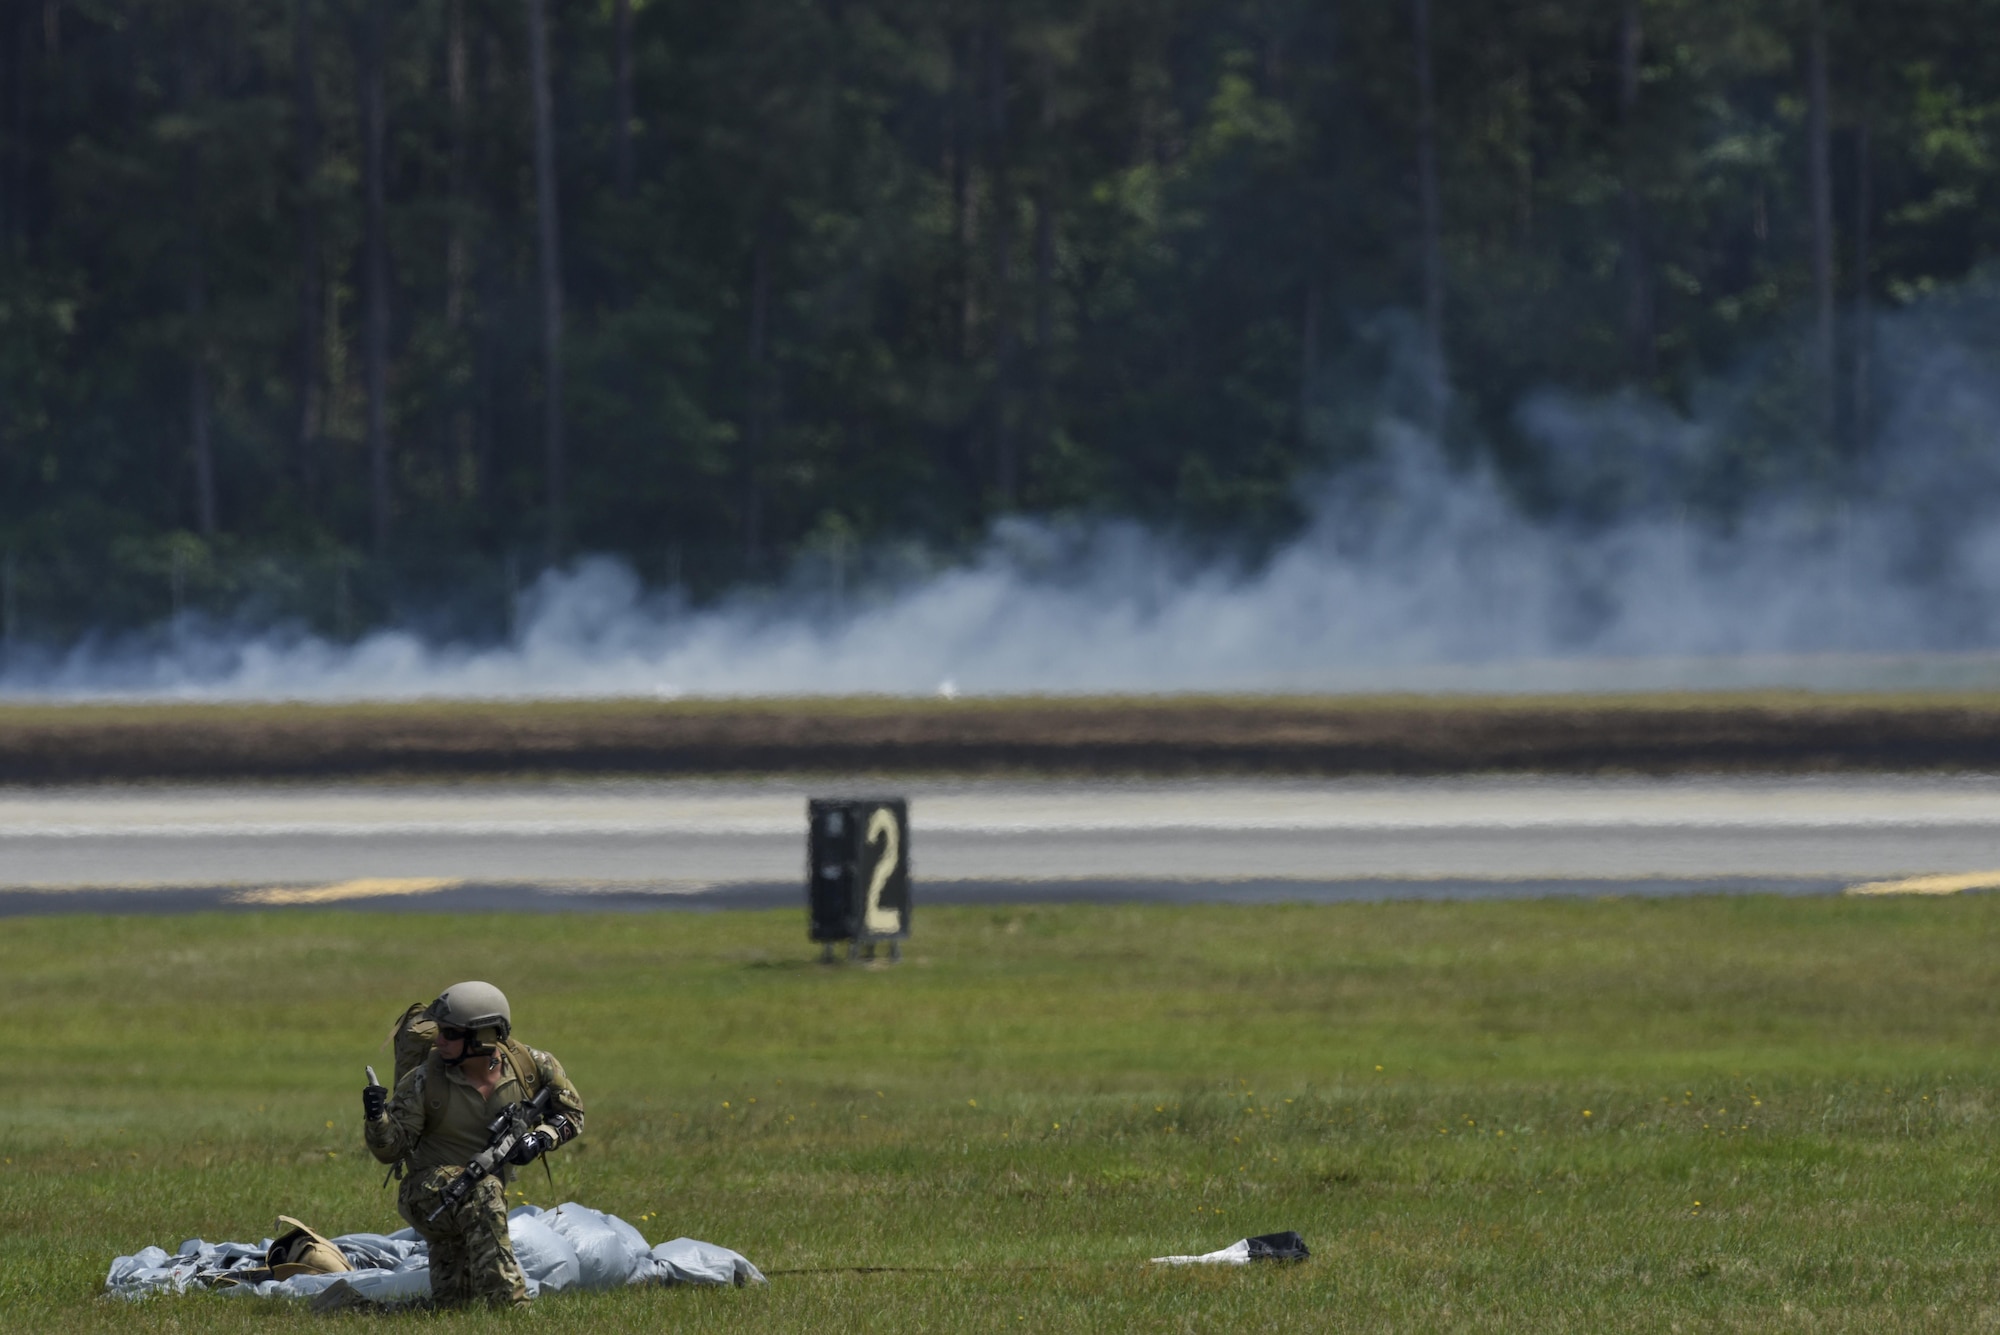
[(881, 921)]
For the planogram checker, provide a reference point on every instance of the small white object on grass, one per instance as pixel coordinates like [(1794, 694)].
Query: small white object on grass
[(1236, 1253)]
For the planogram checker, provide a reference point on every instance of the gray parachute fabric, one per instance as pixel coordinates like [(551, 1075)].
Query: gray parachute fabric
[(545, 1255), (386, 1268), (572, 1246), (609, 1251), (685, 1261)]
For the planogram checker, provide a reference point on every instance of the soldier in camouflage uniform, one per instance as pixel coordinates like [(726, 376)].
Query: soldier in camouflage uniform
[(435, 1123)]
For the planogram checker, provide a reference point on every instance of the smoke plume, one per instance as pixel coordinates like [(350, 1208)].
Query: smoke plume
[(1720, 545)]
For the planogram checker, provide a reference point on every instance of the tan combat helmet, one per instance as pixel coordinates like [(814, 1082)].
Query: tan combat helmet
[(478, 1008), (300, 1251)]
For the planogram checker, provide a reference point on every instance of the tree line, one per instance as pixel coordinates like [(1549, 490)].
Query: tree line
[(714, 285)]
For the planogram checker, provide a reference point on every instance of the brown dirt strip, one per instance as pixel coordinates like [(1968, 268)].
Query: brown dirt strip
[(1656, 734)]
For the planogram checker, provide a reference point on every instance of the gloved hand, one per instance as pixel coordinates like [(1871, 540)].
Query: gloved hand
[(374, 1101), (531, 1146)]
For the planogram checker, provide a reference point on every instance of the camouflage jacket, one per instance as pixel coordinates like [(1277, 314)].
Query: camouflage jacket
[(436, 1116)]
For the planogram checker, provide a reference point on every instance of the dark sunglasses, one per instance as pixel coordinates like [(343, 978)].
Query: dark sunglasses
[(446, 1035)]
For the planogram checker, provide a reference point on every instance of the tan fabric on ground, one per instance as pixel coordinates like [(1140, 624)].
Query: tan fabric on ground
[(298, 1250)]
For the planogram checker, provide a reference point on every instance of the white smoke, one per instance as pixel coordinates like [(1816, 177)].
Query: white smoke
[(1872, 571)]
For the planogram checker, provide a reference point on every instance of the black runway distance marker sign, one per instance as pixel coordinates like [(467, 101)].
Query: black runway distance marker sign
[(858, 869)]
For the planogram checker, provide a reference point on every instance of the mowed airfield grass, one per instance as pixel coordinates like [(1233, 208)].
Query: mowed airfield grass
[(1739, 1113)]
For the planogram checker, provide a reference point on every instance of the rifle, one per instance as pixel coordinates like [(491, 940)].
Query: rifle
[(507, 1136)]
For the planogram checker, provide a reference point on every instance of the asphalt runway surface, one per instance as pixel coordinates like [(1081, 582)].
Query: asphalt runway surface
[(711, 844)]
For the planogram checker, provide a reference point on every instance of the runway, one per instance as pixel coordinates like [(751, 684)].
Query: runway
[(688, 844), (710, 844)]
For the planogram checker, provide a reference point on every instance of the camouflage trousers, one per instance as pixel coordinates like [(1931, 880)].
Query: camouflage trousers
[(471, 1254)]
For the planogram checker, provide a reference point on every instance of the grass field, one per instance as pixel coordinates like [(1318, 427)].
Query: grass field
[(1616, 1115)]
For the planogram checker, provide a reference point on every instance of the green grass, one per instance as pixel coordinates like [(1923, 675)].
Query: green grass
[(1039, 1099)]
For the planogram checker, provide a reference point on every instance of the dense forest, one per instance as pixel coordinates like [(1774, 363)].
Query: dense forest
[(340, 304)]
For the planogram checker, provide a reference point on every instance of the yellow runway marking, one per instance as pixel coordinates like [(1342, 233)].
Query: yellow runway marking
[(368, 887), (1931, 885)]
